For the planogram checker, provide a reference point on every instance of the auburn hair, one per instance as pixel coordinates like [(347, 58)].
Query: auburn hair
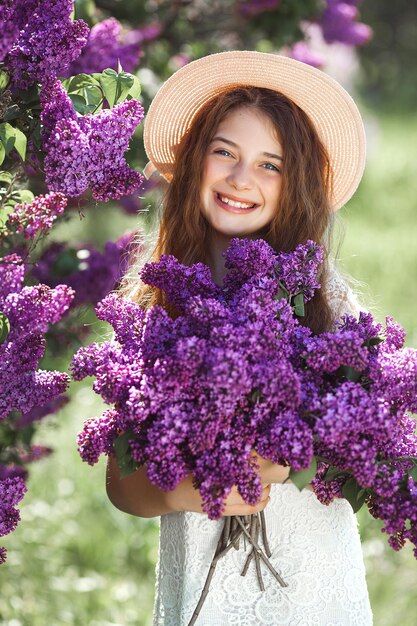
[(303, 210)]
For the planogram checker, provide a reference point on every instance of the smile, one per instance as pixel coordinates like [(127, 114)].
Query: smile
[(234, 205)]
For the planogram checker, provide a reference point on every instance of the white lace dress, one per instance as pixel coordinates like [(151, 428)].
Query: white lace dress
[(315, 548)]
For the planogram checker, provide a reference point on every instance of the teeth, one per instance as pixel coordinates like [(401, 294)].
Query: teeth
[(238, 205)]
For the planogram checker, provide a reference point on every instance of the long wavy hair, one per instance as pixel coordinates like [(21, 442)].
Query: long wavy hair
[(303, 210)]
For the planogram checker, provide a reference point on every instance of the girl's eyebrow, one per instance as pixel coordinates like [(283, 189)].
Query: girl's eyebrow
[(234, 145)]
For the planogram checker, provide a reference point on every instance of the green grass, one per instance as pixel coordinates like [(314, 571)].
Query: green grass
[(76, 560)]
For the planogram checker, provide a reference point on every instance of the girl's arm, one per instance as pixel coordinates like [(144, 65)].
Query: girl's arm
[(136, 495)]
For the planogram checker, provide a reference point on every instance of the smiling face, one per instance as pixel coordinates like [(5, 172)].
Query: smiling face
[(242, 177)]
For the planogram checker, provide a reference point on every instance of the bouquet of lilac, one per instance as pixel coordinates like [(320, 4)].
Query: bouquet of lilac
[(236, 371)]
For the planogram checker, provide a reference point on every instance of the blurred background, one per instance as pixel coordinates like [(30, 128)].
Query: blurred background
[(74, 559)]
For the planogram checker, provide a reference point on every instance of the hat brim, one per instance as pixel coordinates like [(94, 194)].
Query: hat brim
[(331, 109)]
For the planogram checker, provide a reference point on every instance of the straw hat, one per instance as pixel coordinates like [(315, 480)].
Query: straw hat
[(330, 108)]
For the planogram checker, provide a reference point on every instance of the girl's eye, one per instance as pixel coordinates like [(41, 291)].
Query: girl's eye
[(273, 167), (222, 151)]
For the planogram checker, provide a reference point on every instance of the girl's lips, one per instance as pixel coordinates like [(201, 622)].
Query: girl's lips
[(230, 208)]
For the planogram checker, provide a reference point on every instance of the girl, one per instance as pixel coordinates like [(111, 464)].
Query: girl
[(253, 145)]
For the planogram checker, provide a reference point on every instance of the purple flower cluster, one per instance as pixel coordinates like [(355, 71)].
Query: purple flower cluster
[(338, 23), (44, 40), (30, 311), (30, 218), (90, 273), (199, 374), (88, 151), (235, 371), (12, 491), (106, 46)]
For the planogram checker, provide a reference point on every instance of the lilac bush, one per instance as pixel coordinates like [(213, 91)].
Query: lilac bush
[(26, 312), (235, 371)]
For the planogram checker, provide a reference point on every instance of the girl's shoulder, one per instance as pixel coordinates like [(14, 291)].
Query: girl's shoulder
[(343, 293)]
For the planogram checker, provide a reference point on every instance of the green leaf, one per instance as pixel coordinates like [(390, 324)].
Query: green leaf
[(299, 305), (79, 103), (79, 82), (304, 477), (116, 86), (4, 327), (128, 467), (66, 263), (12, 112), (349, 373), (332, 473), (413, 473), (121, 448), (21, 143), (4, 80), (26, 434), (135, 90), (7, 136), (282, 293), (373, 341), (23, 195), (354, 494), (2, 153), (6, 177)]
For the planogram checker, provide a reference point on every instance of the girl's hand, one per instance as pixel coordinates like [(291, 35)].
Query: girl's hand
[(270, 472), (185, 498)]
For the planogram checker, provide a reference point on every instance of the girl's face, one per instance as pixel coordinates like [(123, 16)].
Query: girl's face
[(242, 174)]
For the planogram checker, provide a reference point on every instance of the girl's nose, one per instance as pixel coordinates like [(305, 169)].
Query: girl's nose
[(240, 176)]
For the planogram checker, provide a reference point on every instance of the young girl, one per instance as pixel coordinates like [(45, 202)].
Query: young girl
[(258, 146)]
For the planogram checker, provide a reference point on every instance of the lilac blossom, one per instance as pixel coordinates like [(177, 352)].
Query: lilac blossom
[(235, 371), (301, 51), (30, 311), (90, 273), (88, 151), (338, 23), (106, 46), (12, 491), (38, 215), (47, 43)]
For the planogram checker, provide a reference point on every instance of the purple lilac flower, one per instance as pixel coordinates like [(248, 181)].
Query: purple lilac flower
[(39, 412), (47, 44), (177, 281), (246, 259), (97, 437), (300, 51), (30, 311), (12, 491), (106, 46), (338, 23), (88, 151), (298, 270), (328, 352), (90, 273), (235, 372), (14, 15), (109, 134), (40, 214)]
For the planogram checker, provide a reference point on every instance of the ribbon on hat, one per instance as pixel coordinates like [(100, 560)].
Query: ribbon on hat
[(149, 169)]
